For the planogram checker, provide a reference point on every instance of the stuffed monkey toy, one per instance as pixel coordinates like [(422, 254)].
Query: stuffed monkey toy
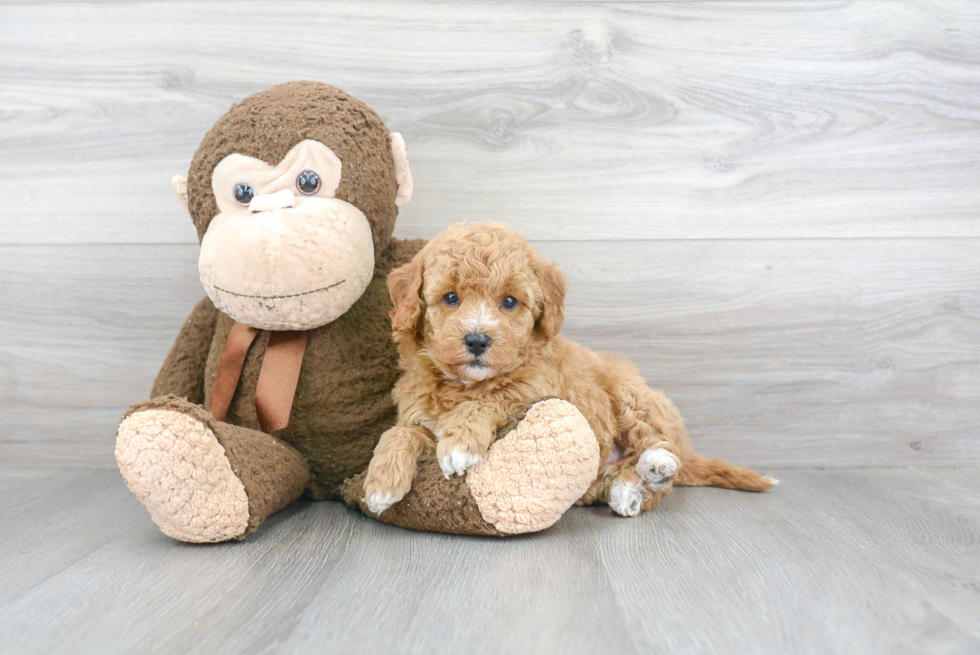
[(279, 383)]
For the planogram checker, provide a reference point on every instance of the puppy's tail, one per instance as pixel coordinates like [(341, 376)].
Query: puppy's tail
[(700, 472)]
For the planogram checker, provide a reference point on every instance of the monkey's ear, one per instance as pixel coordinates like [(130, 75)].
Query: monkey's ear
[(405, 287), (403, 174), (180, 188), (552, 305)]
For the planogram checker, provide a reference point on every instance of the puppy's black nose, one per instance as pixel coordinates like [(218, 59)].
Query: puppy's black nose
[(477, 342)]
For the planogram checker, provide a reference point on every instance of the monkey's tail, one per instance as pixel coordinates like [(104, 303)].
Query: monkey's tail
[(700, 472)]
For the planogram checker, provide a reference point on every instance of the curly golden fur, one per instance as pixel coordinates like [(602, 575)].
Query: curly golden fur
[(476, 317)]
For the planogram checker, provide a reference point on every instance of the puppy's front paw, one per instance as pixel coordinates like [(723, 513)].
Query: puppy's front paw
[(388, 480), (378, 502), (658, 467), (626, 498), (455, 458)]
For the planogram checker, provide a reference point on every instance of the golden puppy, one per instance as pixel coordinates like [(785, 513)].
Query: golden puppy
[(476, 318)]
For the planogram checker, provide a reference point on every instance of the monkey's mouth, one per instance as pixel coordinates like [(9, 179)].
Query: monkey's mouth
[(281, 296)]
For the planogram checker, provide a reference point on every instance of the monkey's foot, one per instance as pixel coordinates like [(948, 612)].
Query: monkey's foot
[(526, 481), (175, 466)]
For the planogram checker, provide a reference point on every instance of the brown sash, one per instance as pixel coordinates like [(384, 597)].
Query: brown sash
[(230, 369), (277, 378)]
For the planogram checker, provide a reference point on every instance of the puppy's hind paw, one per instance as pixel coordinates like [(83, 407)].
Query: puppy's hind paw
[(626, 498), (456, 461), (658, 467), (378, 502)]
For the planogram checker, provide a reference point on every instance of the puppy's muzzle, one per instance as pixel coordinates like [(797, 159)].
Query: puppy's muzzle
[(477, 343)]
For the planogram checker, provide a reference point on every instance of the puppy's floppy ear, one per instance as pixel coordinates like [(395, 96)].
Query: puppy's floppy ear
[(553, 303), (405, 287)]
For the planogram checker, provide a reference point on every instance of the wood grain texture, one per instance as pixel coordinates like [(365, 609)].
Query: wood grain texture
[(38, 513), (870, 561), (778, 353), (85, 334), (769, 206), (920, 531), (579, 120), (787, 573)]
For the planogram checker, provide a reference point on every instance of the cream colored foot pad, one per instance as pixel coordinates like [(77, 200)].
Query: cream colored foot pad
[(530, 477), (178, 470)]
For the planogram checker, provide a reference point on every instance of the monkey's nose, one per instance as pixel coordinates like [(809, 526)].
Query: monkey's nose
[(477, 342), (281, 199)]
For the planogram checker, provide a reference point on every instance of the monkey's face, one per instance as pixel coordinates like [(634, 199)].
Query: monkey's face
[(283, 253)]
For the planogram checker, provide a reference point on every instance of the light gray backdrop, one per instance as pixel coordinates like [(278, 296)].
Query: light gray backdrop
[(778, 223)]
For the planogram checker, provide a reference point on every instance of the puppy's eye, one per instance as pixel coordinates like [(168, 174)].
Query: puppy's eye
[(451, 299), (244, 194), (510, 302)]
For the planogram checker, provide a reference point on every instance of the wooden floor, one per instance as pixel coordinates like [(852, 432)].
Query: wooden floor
[(856, 561)]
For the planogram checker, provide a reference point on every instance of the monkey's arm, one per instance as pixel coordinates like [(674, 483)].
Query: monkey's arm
[(182, 373)]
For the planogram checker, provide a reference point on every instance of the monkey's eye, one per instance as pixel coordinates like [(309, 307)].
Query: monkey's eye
[(308, 183), (510, 302), (451, 299), (244, 194)]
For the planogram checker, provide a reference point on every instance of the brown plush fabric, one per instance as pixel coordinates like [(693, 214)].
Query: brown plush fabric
[(182, 373), (266, 125), (273, 474), (342, 402), (433, 504), (397, 252), (343, 397)]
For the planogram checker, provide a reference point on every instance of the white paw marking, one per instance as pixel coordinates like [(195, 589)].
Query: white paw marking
[(457, 461), (771, 480), (658, 467), (626, 498), (379, 502)]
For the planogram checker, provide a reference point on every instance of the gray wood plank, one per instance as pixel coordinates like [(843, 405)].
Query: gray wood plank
[(829, 562), (52, 522), (120, 591), (85, 335), (764, 574), (761, 342), (922, 535), (778, 353), (14, 479), (303, 581), (570, 121), (960, 483), (544, 593)]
